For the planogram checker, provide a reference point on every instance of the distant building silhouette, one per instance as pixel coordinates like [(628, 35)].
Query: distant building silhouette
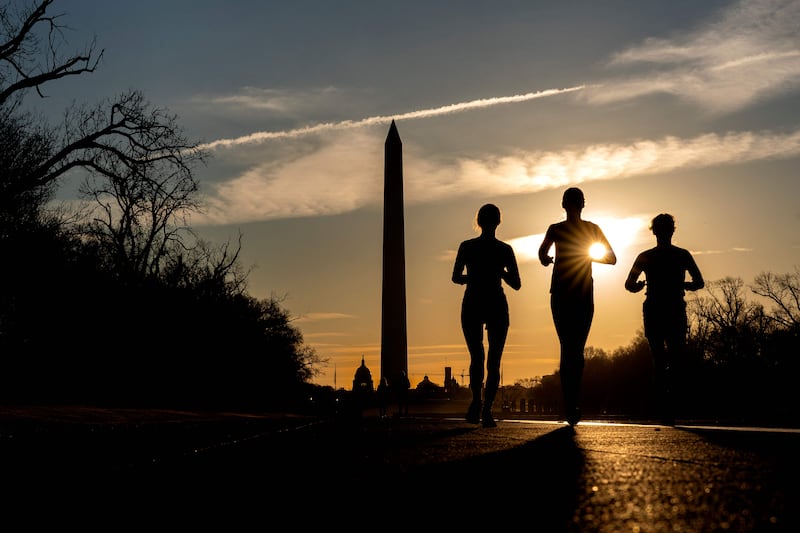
[(363, 387), (362, 382), (426, 387)]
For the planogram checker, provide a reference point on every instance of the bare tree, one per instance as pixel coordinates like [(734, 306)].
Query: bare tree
[(26, 62), (121, 138), (726, 325), (31, 43), (137, 168), (138, 162), (207, 269), (783, 290), (141, 179), (21, 148)]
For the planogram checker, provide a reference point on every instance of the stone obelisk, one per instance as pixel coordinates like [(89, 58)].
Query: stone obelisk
[(394, 343)]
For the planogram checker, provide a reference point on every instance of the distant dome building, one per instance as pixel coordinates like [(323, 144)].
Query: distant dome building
[(362, 382), (427, 387)]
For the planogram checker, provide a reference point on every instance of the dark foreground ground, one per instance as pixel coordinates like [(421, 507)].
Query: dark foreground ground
[(114, 470)]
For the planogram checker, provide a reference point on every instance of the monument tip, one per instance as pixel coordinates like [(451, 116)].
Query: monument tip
[(393, 135)]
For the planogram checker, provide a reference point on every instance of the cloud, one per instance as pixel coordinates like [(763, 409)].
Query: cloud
[(735, 250), (537, 171), (319, 317), (752, 52), (526, 249), (262, 136), (347, 174), (273, 100), (338, 177), (324, 335)]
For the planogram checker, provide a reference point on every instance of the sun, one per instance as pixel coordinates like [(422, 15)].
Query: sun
[(620, 232), (597, 251)]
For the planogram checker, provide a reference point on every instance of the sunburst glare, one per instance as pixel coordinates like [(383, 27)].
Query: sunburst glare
[(620, 232)]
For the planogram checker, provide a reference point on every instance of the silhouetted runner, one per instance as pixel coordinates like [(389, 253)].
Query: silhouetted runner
[(488, 262), (384, 397), (664, 309), (399, 385), (572, 290)]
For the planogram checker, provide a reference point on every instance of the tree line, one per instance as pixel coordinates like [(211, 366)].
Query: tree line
[(116, 300), (741, 366)]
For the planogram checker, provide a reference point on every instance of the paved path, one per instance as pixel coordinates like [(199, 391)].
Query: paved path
[(544, 476), (594, 477), (433, 474)]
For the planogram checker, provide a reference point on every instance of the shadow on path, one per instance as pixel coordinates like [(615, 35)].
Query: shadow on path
[(537, 483)]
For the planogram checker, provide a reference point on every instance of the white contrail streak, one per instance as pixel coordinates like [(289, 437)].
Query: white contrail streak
[(423, 113)]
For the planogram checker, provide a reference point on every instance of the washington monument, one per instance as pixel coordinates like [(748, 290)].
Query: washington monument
[(394, 343)]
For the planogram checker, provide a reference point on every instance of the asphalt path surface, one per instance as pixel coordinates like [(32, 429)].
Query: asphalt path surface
[(427, 471)]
